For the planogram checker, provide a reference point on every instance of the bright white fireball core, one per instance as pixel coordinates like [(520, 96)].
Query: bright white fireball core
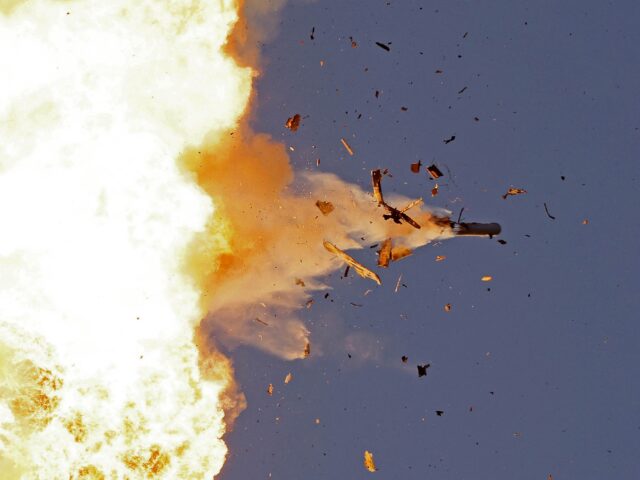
[(99, 375)]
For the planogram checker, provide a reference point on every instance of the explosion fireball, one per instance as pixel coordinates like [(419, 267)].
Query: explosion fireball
[(130, 212), (100, 377)]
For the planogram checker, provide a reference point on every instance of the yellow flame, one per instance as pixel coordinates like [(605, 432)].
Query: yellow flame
[(99, 374)]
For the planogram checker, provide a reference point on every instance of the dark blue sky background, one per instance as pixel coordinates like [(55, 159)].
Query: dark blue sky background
[(547, 353)]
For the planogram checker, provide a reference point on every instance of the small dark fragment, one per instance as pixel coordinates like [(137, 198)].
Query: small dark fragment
[(354, 44), (502, 242), (262, 322), (434, 171), (383, 46), (326, 295), (405, 359), (377, 94), (300, 282), (512, 192), (476, 119), (450, 139), (439, 412), (404, 109), (415, 167), (313, 30), (355, 304), (422, 370), (346, 271), (548, 214), (465, 34), (325, 207), (462, 91), (438, 71), (293, 122), (562, 177)]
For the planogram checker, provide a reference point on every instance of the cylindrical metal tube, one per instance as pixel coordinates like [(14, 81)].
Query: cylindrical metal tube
[(473, 228)]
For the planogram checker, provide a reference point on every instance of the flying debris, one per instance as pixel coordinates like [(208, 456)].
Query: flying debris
[(415, 167), (404, 359), (476, 229), (293, 123), (513, 192), (307, 350), (396, 215), (288, 378), (546, 209), (361, 269), (434, 171), (384, 254), (383, 46), (439, 412), (398, 283), (487, 278), (447, 307), (347, 146), (325, 207), (400, 252), (270, 389), (422, 370), (449, 140), (440, 258), (369, 464)]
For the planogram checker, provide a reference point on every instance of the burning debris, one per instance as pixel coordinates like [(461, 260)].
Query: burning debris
[(415, 167), (447, 307), (288, 378), (293, 123), (369, 463), (487, 278), (513, 192), (325, 207), (358, 267)]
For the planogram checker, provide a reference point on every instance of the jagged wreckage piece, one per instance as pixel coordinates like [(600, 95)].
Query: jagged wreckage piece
[(395, 214), (399, 215)]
